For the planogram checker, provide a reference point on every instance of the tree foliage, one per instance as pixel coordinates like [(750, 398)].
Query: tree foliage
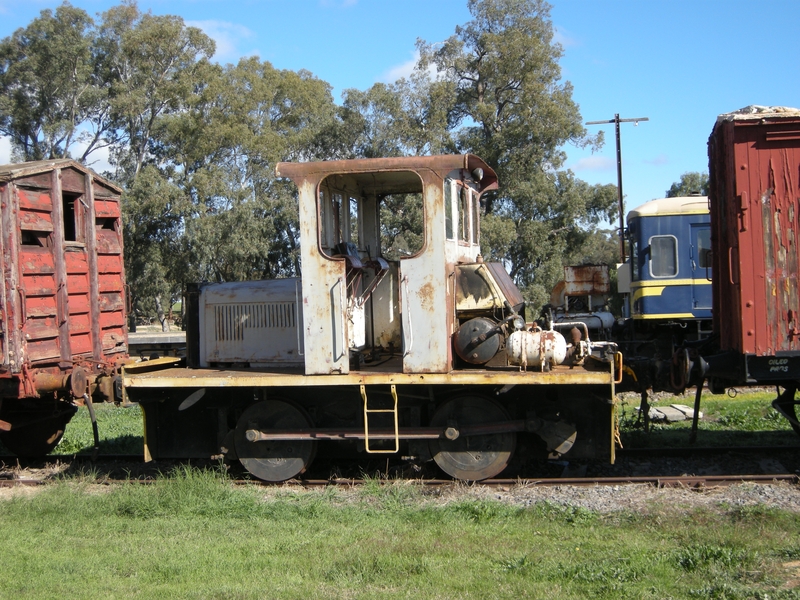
[(151, 64), (690, 183), (195, 143), (510, 107), (47, 84)]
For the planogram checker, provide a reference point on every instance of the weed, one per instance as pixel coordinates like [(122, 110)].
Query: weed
[(519, 564), (483, 511), (696, 556), (572, 515)]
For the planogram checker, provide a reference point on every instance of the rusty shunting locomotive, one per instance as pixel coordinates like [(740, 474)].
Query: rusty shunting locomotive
[(428, 354)]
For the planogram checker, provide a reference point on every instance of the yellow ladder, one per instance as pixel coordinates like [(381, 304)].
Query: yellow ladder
[(368, 411)]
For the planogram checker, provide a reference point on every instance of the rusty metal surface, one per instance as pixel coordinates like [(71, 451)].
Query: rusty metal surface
[(484, 287), (63, 275), (417, 288), (755, 186), (404, 433), (587, 280)]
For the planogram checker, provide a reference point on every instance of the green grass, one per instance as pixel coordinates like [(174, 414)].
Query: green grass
[(747, 419), (120, 431), (194, 535)]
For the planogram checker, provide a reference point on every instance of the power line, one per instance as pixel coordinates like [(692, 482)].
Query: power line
[(616, 120)]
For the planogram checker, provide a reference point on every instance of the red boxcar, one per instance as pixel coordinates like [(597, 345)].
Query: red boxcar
[(62, 313), (754, 164)]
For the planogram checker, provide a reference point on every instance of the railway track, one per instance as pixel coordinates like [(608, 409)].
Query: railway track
[(687, 481), (131, 468)]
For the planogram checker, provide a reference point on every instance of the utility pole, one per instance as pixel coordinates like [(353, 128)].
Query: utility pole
[(616, 120)]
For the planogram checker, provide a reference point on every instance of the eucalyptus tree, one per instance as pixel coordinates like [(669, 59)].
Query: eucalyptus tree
[(154, 211), (690, 183), (510, 106), (247, 117), (49, 88), (151, 65), (407, 117)]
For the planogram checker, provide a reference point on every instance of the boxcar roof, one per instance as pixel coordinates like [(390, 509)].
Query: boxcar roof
[(681, 205), (755, 111), (26, 169)]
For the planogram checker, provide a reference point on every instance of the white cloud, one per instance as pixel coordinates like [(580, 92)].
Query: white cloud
[(563, 37), (658, 161), (5, 151), (227, 36), (401, 71), (406, 69), (595, 163), (98, 160)]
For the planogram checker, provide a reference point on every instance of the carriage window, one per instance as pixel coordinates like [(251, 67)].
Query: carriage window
[(704, 248), (663, 256)]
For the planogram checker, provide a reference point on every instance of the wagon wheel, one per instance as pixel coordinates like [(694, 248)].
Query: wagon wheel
[(274, 460), (35, 430), (786, 404), (476, 457)]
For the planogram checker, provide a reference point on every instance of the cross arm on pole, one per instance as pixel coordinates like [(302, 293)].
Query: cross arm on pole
[(616, 120)]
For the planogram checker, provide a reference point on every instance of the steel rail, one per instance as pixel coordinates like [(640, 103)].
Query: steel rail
[(694, 482)]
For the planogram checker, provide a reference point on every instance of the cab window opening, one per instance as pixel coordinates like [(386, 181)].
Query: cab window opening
[(448, 209), (389, 226)]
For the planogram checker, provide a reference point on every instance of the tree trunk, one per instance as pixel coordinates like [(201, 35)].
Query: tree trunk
[(162, 318)]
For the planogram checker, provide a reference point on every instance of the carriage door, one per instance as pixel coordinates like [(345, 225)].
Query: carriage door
[(701, 266)]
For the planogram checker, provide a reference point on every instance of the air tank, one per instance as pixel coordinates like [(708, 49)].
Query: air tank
[(536, 348)]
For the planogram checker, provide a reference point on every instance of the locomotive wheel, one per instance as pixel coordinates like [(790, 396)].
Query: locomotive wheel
[(35, 430), (274, 460), (476, 457)]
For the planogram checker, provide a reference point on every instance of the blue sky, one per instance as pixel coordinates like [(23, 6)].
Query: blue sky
[(678, 62)]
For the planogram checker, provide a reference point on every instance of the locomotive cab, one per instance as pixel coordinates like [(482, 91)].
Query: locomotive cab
[(379, 241), (392, 276)]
